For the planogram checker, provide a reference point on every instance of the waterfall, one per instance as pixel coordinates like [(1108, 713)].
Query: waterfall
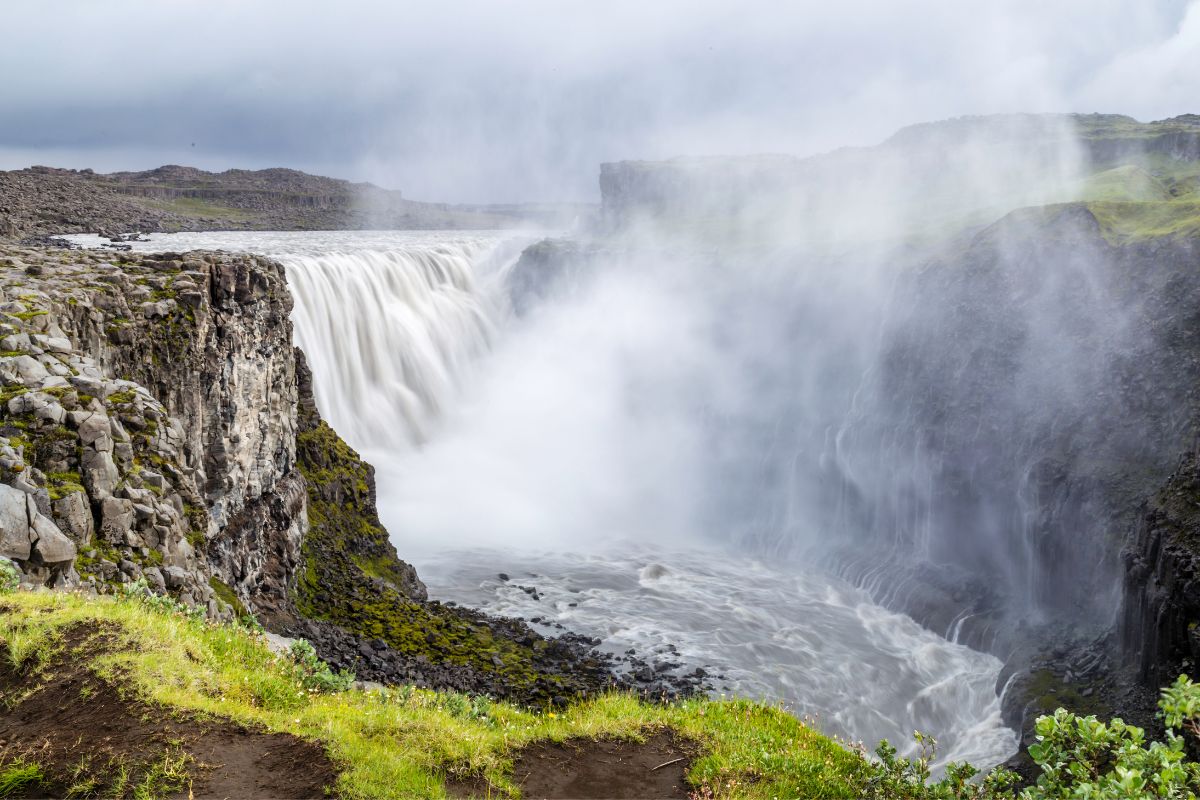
[(658, 442), (391, 333)]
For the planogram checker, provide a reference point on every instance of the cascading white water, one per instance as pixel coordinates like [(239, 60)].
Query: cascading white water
[(390, 388), (578, 445)]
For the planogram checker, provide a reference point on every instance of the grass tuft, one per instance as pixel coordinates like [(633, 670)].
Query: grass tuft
[(19, 777)]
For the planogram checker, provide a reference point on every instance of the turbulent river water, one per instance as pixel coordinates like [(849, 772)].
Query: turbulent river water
[(527, 446)]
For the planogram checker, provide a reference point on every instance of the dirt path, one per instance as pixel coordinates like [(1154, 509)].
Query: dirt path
[(89, 738), (587, 769)]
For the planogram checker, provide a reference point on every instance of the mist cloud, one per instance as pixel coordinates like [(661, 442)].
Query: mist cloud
[(479, 101)]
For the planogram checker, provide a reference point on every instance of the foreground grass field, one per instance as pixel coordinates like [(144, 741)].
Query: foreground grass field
[(404, 742)]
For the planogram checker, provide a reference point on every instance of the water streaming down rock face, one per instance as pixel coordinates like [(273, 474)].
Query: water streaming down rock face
[(391, 333), (620, 419)]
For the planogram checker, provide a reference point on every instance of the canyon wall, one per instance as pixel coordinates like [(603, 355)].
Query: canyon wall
[(203, 341), (1004, 471)]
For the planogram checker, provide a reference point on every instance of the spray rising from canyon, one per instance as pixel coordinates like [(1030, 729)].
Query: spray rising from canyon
[(777, 403)]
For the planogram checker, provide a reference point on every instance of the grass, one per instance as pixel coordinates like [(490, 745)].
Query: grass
[(1127, 183), (1129, 222), (198, 207), (18, 777), (403, 742)]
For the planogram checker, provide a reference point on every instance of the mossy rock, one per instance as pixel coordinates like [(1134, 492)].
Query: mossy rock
[(352, 576)]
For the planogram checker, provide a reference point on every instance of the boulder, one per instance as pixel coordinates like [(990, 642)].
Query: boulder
[(100, 473), (175, 577), (14, 523), (152, 478), (74, 518), (24, 404), (50, 545), (280, 645), (28, 370), (154, 577), (95, 432), (160, 309), (54, 344), (51, 412), (16, 341), (88, 385), (116, 518)]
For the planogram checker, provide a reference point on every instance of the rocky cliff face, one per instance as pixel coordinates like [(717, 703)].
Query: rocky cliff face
[(162, 392), (110, 466), (1056, 376), (1160, 620), (210, 336)]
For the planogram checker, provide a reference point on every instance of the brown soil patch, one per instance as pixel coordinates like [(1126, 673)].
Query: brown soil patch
[(81, 729), (590, 769)]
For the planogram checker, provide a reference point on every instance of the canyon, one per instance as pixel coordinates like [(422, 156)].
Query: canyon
[(956, 371)]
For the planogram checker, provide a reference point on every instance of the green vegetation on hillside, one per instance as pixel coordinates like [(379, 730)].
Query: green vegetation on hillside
[(404, 742), (195, 207), (1130, 222), (1128, 183)]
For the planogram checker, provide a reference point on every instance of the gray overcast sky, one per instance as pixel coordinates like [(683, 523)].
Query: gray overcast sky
[(496, 100)]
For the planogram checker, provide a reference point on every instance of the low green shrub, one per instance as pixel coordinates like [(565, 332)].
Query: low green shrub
[(10, 577), (1081, 758), (314, 674), (897, 778)]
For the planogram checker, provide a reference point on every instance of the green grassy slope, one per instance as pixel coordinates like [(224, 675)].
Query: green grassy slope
[(405, 742)]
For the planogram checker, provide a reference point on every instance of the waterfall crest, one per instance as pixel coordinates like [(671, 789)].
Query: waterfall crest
[(391, 332)]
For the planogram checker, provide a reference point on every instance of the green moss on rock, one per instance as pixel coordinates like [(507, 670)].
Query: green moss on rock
[(352, 576), (226, 594)]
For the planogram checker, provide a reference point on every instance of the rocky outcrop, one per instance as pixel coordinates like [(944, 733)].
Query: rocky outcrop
[(208, 335), (1057, 378), (547, 268), (97, 489), (348, 559), (1160, 620)]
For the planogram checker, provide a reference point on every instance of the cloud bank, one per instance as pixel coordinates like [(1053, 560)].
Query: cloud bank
[(473, 100)]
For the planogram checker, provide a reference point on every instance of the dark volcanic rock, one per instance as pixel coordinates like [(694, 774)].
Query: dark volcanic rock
[(1160, 621)]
